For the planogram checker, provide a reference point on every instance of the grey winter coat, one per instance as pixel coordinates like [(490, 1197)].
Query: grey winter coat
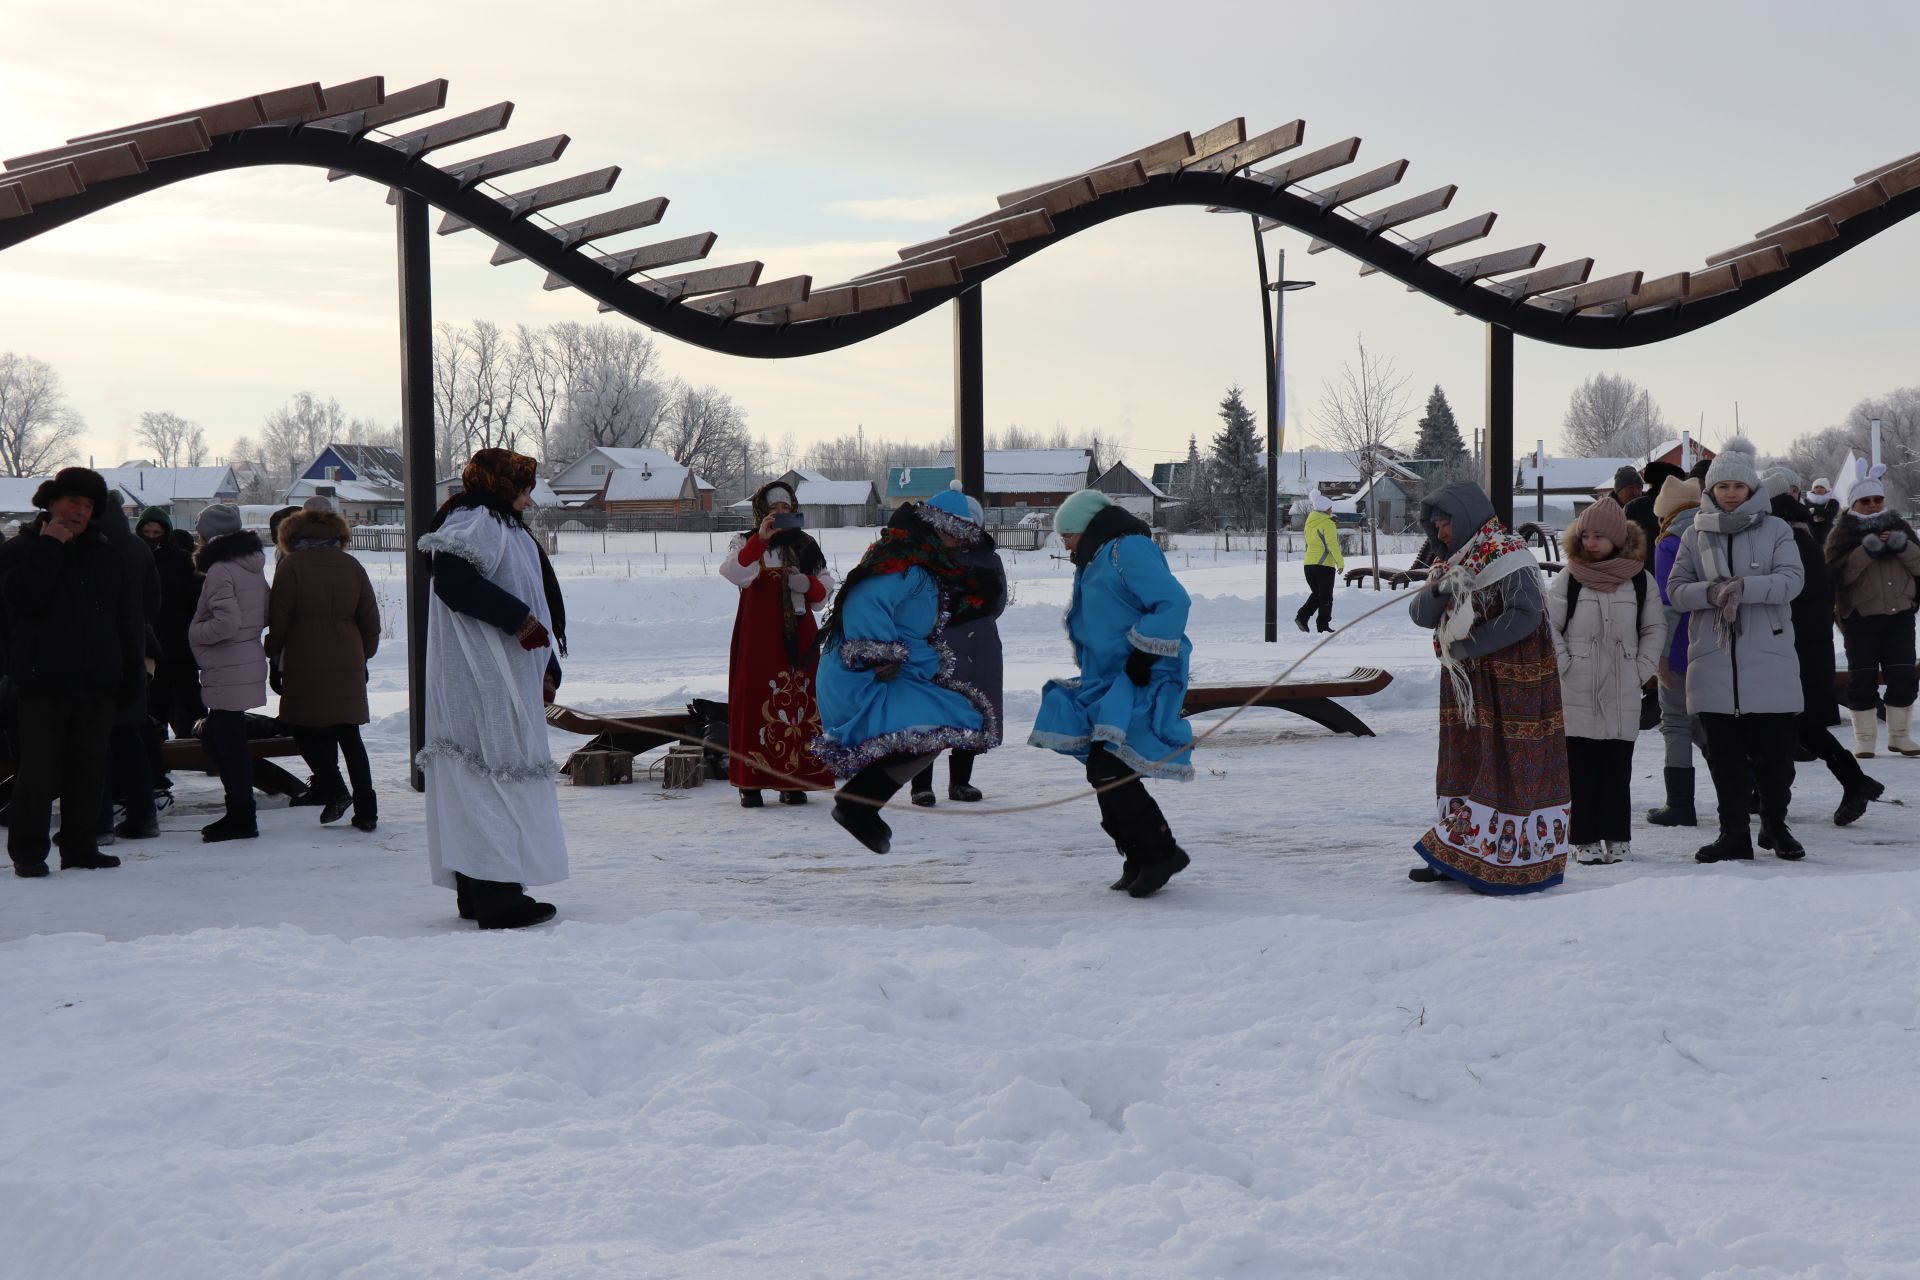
[(1522, 603), (1748, 666), (976, 642), (226, 627), (1608, 650)]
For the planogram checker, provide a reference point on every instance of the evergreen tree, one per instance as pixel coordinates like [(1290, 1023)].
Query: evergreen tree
[(1439, 433), (1238, 474), (1196, 494)]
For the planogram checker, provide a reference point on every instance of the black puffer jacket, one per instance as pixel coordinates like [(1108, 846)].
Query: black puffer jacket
[(67, 627)]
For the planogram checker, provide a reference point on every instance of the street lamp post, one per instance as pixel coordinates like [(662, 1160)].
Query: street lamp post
[(1274, 324)]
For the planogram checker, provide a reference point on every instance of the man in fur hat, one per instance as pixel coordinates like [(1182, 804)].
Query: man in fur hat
[(72, 655)]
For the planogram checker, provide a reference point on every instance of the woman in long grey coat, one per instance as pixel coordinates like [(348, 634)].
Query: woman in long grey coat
[(977, 660), (1735, 577)]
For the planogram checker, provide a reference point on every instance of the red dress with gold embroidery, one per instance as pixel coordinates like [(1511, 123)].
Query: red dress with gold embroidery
[(771, 711)]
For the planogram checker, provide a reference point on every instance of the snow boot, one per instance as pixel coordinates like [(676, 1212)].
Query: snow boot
[(1129, 872), (1731, 846), (922, 799), (1866, 732), (793, 797), (126, 830), (237, 824), (93, 860), (1854, 803), (964, 791), (368, 824), (1775, 836), (1300, 622), (1590, 855), (1425, 875), (750, 798), (863, 823), (1618, 851), (960, 778), (30, 870), (1156, 868), (1678, 811), (519, 915), (1900, 731), (335, 809)]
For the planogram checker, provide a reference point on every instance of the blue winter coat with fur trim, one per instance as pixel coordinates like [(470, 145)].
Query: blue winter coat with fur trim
[(889, 618), (1124, 598)]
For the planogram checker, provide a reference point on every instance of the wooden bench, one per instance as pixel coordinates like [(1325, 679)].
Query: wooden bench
[(635, 731), (1313, 699), (1394, 578)]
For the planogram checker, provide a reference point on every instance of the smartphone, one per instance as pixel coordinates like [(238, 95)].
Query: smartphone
[(791, 520)]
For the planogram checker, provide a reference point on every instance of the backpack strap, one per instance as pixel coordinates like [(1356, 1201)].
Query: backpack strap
[(1573, 596)]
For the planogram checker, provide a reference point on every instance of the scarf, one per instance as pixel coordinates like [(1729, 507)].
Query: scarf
[(1605, 575), (1727, 524), (1489, 556), (910, 542)]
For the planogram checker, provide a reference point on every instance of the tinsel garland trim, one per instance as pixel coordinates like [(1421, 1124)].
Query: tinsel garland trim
[(948, 523), (1116, 743), (448, 749), (845, 760), (865, 655), (1153, 644)]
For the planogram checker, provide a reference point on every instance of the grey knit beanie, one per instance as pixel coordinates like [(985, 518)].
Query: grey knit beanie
[(1780, 481), (1734, 462), (218, 519)]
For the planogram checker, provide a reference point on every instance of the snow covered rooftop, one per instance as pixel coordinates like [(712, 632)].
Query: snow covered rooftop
[(345, 491), (194, 484), (833, 493), (1032, 470), (1568, 475), (646, 484)]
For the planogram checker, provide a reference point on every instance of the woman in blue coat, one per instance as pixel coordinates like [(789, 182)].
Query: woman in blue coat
[(889, 701), (976, 644), (1120, 716)]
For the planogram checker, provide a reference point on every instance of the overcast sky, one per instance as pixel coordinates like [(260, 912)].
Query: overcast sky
[(819, 137)]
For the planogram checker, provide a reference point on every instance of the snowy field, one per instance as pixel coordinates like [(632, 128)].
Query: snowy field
[(749, 1048)]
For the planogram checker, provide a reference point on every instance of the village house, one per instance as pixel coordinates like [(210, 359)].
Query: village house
[(1133, 492), (584, 481), (826, 504), (365, 482), (182, 492)]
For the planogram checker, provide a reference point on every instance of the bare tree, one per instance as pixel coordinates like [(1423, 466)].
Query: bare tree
[(1613, 416), (249, 462), (1360, 412), (543, 386), (614, 397), (477, 381), (706, 432), (294, 434), (38, 428), (175, 442)]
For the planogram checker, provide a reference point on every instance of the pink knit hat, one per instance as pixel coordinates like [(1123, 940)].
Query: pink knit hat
[(1605, 519)]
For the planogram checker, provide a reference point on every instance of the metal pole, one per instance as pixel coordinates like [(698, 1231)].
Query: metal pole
[(1497, 463), (969, 396), (416, 435), (1875, 425), (1270, 325)]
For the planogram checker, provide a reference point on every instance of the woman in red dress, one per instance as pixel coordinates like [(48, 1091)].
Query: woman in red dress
[(771, 712)]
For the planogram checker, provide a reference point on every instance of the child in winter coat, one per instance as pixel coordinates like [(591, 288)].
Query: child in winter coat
[(1120, 715), (1676, 506), (1608, 631), (1735, 577), (1874, 557), (225, 635)]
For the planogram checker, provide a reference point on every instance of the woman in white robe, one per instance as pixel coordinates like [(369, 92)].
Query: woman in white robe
[(493, 819)]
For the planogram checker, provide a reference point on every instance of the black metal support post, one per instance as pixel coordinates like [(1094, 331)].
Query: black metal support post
[(1497, 459), (416, 433), (969, 396), (1273, 432)]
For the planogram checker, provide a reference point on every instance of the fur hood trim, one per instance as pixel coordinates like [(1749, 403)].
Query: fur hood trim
[(1636, 548), (228, 546), (310, 525)]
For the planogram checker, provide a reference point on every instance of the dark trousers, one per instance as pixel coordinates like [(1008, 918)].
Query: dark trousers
[(1750, 755), (1828, 751), (879, 781), (959, 771), (129, 776), (175, 698), (1128, 813), (318, 745), (224, 734), (1879, 645), (1600, 774), (63, 755), (1320, 578)]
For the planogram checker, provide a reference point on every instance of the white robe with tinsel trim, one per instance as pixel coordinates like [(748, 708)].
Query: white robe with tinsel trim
[(492, 812)]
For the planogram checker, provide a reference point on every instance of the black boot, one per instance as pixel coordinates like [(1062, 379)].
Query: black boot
[(519, 915), (1775, 836), (1731, 846), (237, 824), (793, 797), (1129, 871), (750, 798), (922, 788), (1854, 803), (92, 860), (1156, 860), (1678, 811), (1425, 875), (960, 777), (335, 809), (366, 812), (857, 807)]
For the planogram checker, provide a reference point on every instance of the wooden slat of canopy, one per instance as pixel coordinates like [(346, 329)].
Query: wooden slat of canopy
[(1108, 178), (1153, 158), (1012, 229), (444, 133), (47, 183), (1495, 264), (1761, 262), (1898, 181), (1545, 280), (938, 273), (844, 300), (1313, 163), (630, 217), (221, 117), (13, 201), (756, 298), (156, 142), (118, 161), (666, 253), (1889, 167), (1799, 236), (349, 95), (1662, 292), (971, 252), (295, 103), (1361, 185), (416, 100), (1594, 293), (528, 155), (1260, 147), (1070, 194), (1713, 282), (736, 275), (1212, 142), (1408, 210), (522, 204), (1850, 203), (1445, 238)]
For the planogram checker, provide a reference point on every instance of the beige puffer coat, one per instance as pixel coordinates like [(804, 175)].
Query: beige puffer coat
[(226, 627), (1608, 650)]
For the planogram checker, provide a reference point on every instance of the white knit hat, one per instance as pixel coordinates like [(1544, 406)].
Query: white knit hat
[(1734, 462), (1321, 502)]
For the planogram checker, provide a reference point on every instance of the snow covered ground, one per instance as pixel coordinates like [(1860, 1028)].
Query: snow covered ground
[(749, 1048)]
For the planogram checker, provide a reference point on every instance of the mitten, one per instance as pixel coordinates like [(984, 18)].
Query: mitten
[(532, 634), (1140, 667), (800, 582), (1897, 541), (276, 679), (1875, 545), (1725, 596)]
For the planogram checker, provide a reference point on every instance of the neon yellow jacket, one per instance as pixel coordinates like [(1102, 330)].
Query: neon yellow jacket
[(1323, 540)]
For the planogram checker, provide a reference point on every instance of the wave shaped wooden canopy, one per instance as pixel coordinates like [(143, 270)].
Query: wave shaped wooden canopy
[(347, 129)]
